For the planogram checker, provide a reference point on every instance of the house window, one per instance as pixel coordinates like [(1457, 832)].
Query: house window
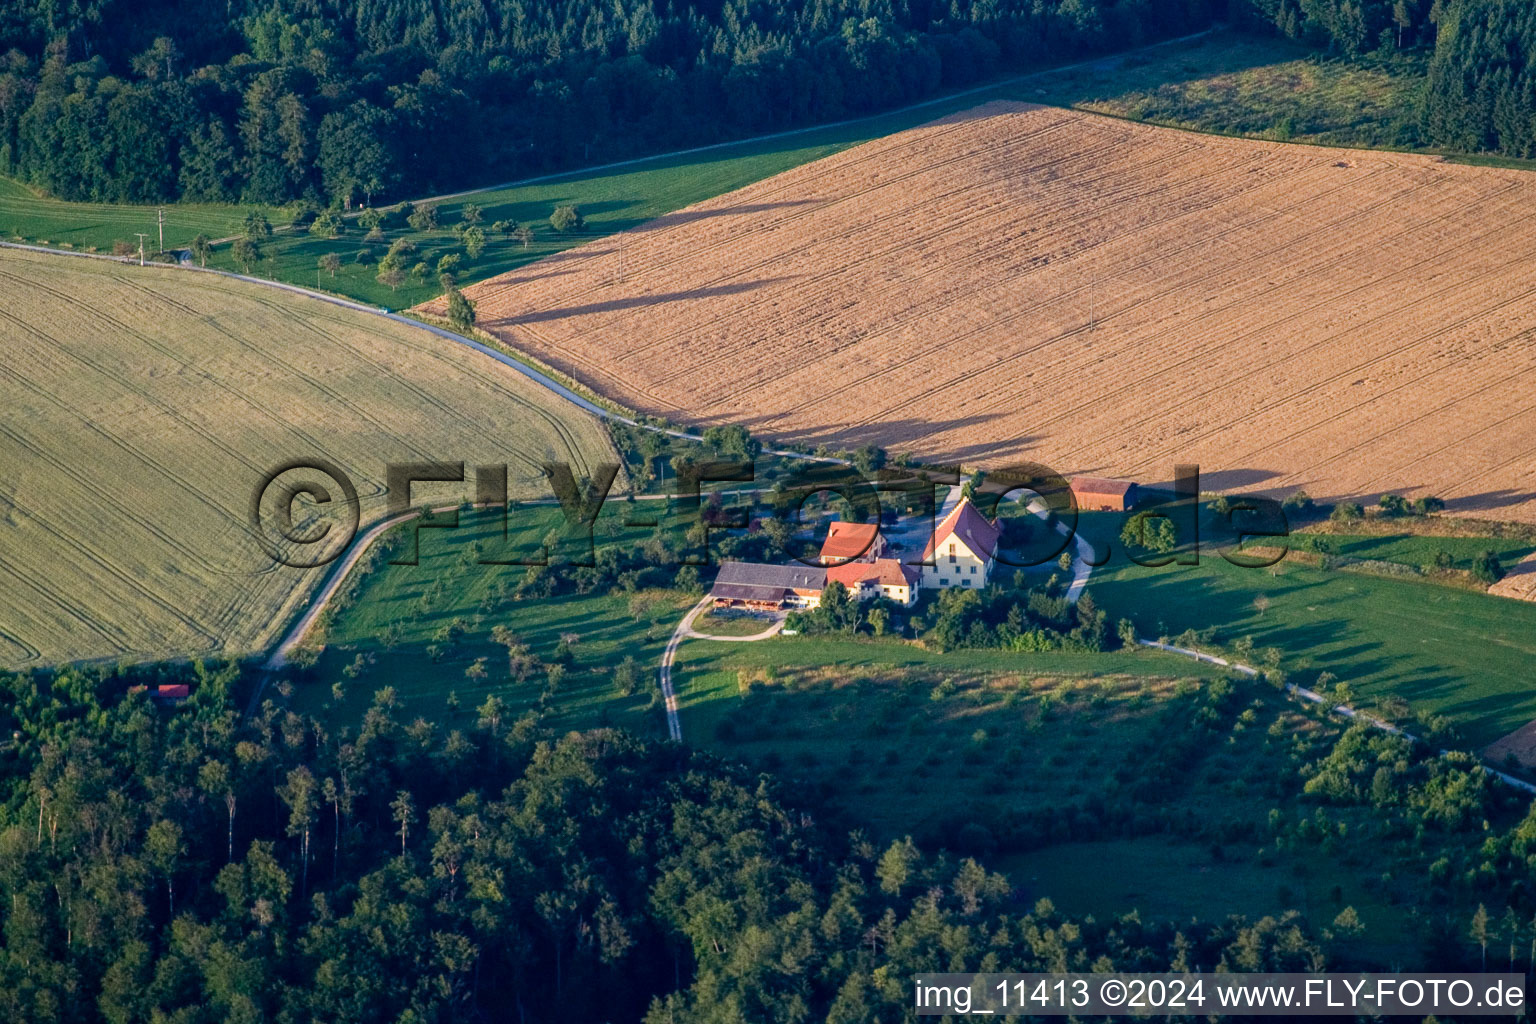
[(951, 554), (973, 570)]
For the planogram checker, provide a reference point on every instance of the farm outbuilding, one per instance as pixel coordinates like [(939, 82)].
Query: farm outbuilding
[(1101, 494), (749, 586), (852, 542)]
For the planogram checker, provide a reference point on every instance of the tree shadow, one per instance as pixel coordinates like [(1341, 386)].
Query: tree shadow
[(633, 302)]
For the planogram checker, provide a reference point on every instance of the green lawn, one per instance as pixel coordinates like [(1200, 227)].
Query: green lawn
[(1034, 762), (1452, 652), (862, 713), (1176, 881)]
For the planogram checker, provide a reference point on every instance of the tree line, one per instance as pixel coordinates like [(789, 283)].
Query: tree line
[(270, 101), (274, 102)]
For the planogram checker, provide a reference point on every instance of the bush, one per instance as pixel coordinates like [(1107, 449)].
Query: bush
[(1346, 511), (1486, 568), (567, 218), (1300, 501)]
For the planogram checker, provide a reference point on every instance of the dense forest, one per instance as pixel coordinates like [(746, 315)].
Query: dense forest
[(266, 102), (186, 863)]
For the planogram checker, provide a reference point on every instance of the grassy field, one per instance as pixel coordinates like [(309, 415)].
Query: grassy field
[(140, 411), (1417, 551), (1448, 651), (28, 216), (1231, 84)]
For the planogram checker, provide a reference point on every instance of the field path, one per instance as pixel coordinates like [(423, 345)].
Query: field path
[(683, 631), (1343, 710)]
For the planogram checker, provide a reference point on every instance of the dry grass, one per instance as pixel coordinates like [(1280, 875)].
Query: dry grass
[(139, 409), (1095, 294)]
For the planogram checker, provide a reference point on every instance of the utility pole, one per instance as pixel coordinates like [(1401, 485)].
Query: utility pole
[(142, 235), (160, 214)]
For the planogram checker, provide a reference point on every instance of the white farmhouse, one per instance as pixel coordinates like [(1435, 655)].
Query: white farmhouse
[(961, 549)]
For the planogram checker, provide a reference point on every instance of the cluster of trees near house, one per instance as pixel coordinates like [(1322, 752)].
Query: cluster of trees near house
[(1012, 616)]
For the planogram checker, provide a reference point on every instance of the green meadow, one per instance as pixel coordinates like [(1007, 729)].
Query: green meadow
[(29, 216), (423, 628), (1448, 651)]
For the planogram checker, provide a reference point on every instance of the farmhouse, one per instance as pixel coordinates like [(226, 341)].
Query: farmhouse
[(848, 542), (961, 550), (749, 586), (884, 577), (1101, 494)]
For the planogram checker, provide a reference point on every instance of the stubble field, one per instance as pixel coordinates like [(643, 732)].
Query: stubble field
[(1096, 294), (139, 412)]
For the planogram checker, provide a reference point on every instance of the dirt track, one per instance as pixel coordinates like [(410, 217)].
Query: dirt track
[(1099, 295)]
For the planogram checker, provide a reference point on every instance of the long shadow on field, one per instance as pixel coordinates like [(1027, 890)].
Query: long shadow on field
[(1489, 501), (902, 435), (635, 302), (670, 220)]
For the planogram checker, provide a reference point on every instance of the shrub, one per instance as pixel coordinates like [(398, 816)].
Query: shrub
[(1346, 511), (1486, 568), (567, 218), (1300, 501)]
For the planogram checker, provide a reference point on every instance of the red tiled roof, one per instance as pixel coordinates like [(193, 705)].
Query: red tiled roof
[(887, 572), (970, 526), (172, 691), (1101, 485), (849, 540)]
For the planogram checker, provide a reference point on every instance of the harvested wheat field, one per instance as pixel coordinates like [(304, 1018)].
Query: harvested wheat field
[(1098, 295), (141, 408)]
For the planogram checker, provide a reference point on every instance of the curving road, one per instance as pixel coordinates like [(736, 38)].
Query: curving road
[(683, 631)]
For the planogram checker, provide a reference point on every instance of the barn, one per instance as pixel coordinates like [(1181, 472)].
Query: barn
[(748, 586), (1101, 494)]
